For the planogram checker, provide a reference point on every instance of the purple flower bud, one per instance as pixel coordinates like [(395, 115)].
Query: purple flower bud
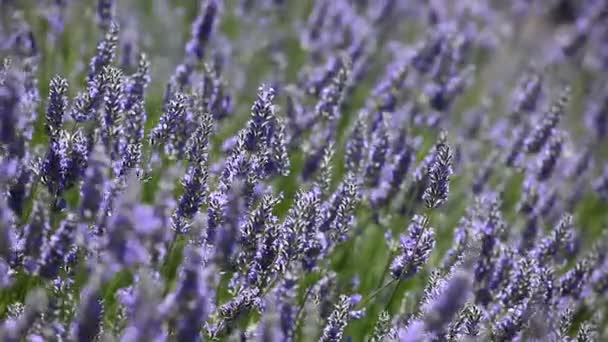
[(527, 92), (543, 130), (88, 318), (439, 173), (106, 51), (7, 222), (507, 327), (332, 94), (195, 179), (442, 310), (93, 185), (55, 166), (112, 81), (105, 13), (78, 158), (146, 320), (87, 102), (192, 296), (166, 131), (552, 152), (522, 281), (229, 311), (11, 91), (414, 249), (356, 145), (57, 106), (54, 252), (35, 231), (378, 153), (337, 321), (202, 28), (137, 83), (571, 284)]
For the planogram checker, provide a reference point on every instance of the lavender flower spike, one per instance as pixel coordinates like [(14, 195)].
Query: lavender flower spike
[(543, 130), (57, 106), (439, 173), (415, 249)]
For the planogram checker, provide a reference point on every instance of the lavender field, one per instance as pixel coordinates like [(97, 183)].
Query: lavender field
[(303, 170)]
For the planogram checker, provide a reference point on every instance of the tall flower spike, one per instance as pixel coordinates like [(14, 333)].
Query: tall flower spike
[(78, 158), (58, 103), (415, 249), (378, 153), (345, 212), (112, 117), (55, 250), (507, 327), (169, 123), (105, 13), (356, 144), (106, 51), (192, 296), (527, 92), (35, 231), (439, 173), (558, 241), (542, 131), (448, 303), (337, 321), (56, 163), (551, 154), (382, 329), (88, 318), (328, 106), (262, 124), (195, 179), (137, 83), (202, 28)]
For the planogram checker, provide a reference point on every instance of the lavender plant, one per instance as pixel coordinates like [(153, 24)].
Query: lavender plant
[(271, 170)]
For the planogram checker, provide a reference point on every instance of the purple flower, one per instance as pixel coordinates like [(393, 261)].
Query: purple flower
[(137, 83), (113, 83), (442, 309), (106, 51), (166, 132), (527, 92), (57, 106), (356, 145), (88, 319), (439, 173), (202, 28), (337, 321), (93, 185), (551, 154), (54, 168), (378, 154), (506, 328), (55, 250), (543, 130), (414, 249), (34, 233), (195, 179), (192, 297), (105, 13), (78, 158)]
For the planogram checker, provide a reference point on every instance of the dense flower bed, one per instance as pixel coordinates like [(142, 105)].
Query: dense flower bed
[(365, 170)]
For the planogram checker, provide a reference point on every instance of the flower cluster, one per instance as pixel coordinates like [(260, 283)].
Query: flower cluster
[(333, 170)]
